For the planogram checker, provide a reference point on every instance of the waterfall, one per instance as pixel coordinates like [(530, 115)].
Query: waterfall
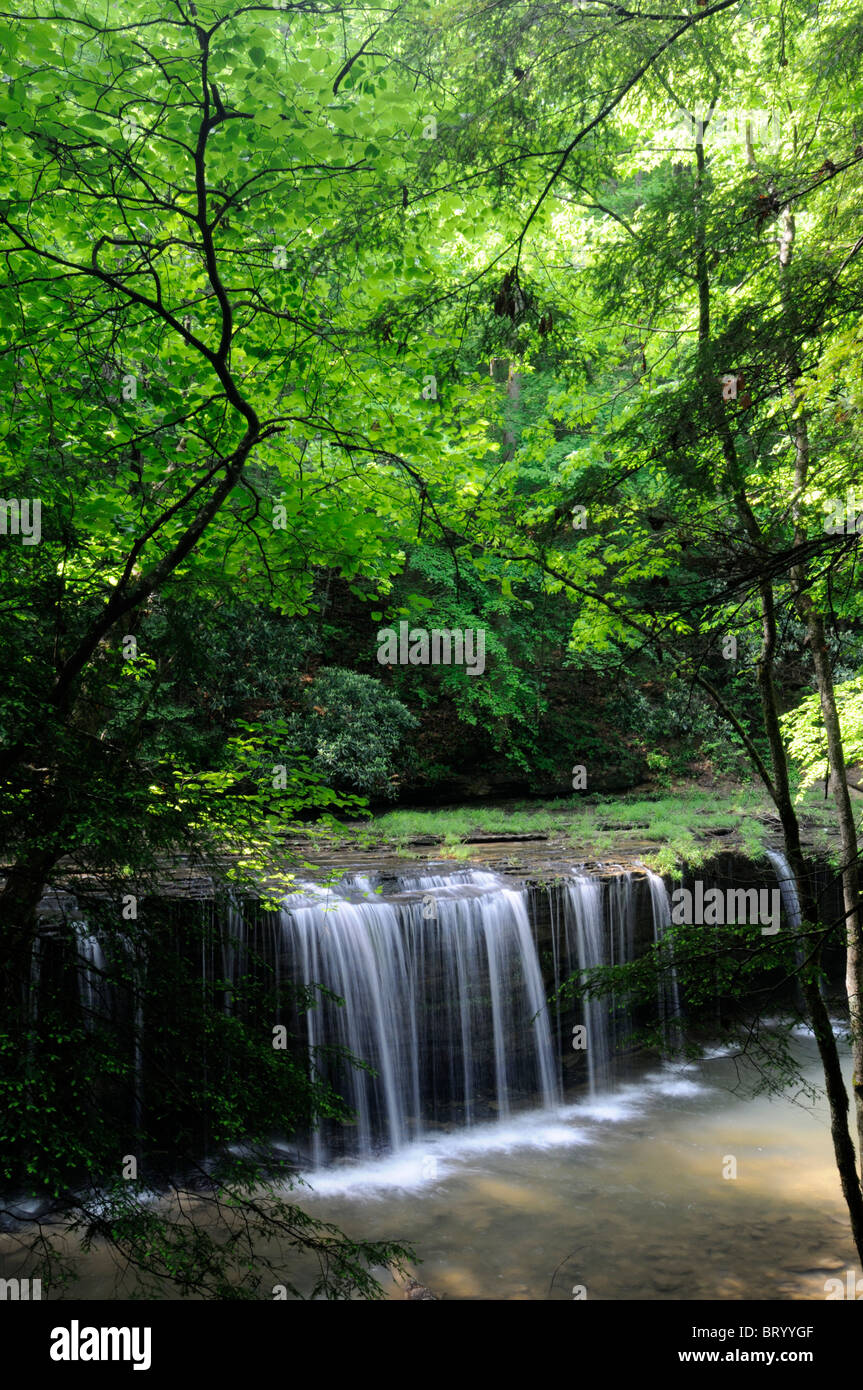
[(437, 982), (443, 997), (787, 887), (584, 947), (596, 927), (91, 986), (791, 903), (668, 993), (234, 949)]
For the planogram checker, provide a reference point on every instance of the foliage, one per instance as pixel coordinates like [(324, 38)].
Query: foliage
[(589, 826), (304, 339), (804, 729), (353, 728)]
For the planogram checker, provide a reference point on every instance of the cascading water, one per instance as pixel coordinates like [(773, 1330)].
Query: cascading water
[(596, 927), (444, 979), (787, 887), (443, 996), (668, 993), (583, 948), (791, 903), (91, 990)]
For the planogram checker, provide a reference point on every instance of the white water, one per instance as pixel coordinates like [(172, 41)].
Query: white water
[(787, 886), (668, 1000), (433, 1157), (585, 946), (448, 1008), (624, 1194), (443, 995), (791, 903), (91, 967), (464, 1140)]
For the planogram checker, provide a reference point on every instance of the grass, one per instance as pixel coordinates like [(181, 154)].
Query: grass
[(821, 820), (664, 830)]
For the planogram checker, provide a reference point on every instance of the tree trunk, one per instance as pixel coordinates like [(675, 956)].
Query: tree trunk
[(824, 677), (837, 1095)]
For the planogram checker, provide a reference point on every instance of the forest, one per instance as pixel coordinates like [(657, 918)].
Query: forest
[(431, 716)]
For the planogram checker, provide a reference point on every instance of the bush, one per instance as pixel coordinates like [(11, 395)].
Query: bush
[(354, 728)]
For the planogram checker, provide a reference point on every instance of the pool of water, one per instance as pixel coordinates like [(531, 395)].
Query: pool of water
[(624, 1196)]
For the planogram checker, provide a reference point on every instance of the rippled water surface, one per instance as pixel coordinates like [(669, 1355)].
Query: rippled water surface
[(625, 1196)]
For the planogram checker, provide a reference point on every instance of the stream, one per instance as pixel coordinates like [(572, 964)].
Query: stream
[(624, 1195)]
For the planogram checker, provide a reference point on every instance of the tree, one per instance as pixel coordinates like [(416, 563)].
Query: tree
[(697, 466), (201, 387)]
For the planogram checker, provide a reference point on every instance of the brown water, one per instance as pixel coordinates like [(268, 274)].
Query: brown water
[(625, 1196)]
